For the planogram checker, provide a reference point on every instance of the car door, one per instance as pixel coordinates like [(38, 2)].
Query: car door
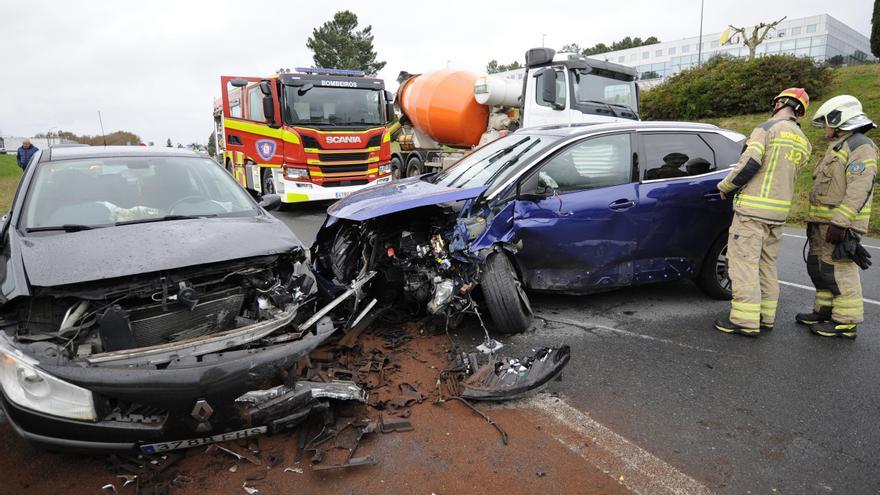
[(572, 217), (680, 213)]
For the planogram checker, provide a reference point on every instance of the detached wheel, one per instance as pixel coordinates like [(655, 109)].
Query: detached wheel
[(414, 167), (713, 278), (507, 301), (396, 168), (267, 181)]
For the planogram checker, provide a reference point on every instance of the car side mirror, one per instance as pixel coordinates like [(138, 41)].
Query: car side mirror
[(389, 112), (538, 187), (305, 88), (265, 88), (269, 109), (548, 82), (270, 202)]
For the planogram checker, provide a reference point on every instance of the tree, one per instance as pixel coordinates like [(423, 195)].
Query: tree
[(212, 145), (337, 45), (623, 44), (494, 67), (875, 30), (570, 48), (168, 143), (759, 34)]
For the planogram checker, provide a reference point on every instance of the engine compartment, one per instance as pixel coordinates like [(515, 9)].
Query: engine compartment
[(97, 321)]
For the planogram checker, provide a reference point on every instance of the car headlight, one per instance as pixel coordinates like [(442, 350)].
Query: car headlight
[(30, 387), (385, 169), (296, 173)]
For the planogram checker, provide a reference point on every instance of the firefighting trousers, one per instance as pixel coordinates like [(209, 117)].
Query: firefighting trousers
[(752, 248), (837, 281)]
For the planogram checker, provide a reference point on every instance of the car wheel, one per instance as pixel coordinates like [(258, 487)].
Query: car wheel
[(396, 168), (345, 254), (267, 181), (713, 278), (507, 301), (414, 167)]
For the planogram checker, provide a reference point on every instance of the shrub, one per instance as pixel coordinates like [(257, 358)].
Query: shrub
[(726, 86)]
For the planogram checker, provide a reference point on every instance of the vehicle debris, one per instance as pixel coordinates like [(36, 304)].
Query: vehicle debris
[(391, 425)]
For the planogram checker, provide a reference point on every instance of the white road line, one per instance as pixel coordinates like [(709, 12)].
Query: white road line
[(626, 462), (807, 287), (804, 237)]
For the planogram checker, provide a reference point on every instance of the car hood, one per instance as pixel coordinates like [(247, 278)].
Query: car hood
[(90, 255), (398, 196)]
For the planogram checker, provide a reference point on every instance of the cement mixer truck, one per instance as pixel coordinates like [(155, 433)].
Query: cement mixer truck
[(445, 113)]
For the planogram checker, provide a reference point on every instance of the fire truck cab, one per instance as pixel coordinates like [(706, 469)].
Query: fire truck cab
[(309, 135)]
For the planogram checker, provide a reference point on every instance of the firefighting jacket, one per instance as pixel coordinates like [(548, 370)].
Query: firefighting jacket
[(766, 171), (843, 183)]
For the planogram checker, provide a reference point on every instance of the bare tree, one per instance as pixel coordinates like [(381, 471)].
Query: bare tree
[(759, 34)]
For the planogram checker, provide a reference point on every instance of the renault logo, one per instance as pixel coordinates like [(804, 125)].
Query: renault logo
[(202, 411)]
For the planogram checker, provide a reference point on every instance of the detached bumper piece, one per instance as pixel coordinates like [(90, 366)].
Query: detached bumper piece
[(509, 378), (284, 407)]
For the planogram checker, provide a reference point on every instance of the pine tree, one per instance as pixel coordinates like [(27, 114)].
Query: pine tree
[(168, 143), (875, 30), (337, 45)]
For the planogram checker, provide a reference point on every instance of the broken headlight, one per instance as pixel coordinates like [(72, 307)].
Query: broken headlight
[(30, 387)]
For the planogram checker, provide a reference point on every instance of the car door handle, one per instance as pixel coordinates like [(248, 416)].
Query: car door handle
[(713, 196), (621, 204)]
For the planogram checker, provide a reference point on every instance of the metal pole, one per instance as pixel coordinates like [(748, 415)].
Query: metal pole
[(700, 52), (100, 121), (542, 40)]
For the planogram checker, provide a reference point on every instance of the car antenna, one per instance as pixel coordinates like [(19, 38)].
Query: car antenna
[(103, 136)]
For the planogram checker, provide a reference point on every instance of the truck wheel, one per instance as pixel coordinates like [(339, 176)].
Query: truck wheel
[(396, 168), (713, 278), (507, 301), (267, 181), (414, 167)]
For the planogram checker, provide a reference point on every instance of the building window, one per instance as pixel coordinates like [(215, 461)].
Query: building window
[(795, 31), (685, 48), (781, 33), (645, 55), (672, 51), (658, 53), (811, 28)]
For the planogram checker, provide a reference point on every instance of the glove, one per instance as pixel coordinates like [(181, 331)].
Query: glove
[(851, 248), (835, 234)]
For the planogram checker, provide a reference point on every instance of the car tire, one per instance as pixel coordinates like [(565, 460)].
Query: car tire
[(713, 278), (396, 168), (345, 254), (414, 167), (508, 303)]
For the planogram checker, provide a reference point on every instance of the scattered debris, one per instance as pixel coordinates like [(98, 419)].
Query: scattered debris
[(481, 414), (250, 490), (540, 473), (109, 486), (293, 470), (389, 425)]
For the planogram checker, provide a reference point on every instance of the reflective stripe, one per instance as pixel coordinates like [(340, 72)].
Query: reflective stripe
[(849, 302), (745, 316), (847, 211), (849, 311), (757, 147), (840, 154), (763, 203), (744, 305), (768, 174), (262, 130), (800, 146)]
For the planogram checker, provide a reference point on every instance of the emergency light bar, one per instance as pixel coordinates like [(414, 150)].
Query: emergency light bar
[(331, 72)]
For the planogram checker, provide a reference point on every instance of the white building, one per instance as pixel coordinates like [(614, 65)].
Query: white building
[(821, 37)]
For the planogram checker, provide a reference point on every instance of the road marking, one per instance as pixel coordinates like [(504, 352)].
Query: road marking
[(804, 237), (807, 287), (590, 327), (632, 466)]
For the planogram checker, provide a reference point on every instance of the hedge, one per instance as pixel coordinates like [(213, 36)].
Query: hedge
[(727, 86)]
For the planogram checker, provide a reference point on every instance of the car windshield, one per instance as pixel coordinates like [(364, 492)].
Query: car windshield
[(596, 87), (100, 192), (332, 106), (494, 161)]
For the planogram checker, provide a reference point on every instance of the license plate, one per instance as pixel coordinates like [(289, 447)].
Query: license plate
[(155, 448), (341, 194)]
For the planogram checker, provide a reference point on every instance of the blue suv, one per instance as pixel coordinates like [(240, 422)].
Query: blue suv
[(573, 209)]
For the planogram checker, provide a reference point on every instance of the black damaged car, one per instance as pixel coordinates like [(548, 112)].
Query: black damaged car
[(150, 302)]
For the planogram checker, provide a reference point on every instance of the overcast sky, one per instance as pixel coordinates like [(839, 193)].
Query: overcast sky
[(153, 67)]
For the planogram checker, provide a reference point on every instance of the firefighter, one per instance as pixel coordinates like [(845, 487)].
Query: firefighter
[(840, 207), (763, 180)]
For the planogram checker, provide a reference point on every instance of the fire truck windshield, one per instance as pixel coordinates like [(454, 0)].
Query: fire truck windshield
[(332, 106)]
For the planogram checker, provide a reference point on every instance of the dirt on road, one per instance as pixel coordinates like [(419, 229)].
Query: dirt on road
[(451, 449)]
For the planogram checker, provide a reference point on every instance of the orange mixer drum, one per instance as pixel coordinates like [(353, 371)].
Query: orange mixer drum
[(441, 104)]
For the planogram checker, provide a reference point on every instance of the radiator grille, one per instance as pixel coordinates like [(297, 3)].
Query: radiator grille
[(213, 313)]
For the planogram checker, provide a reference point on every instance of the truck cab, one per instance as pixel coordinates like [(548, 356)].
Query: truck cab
[(312, 134), (568, 88)]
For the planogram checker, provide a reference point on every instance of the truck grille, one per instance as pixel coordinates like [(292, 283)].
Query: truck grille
[(214, 312), (342, 157), (310, 142), (337, 169)]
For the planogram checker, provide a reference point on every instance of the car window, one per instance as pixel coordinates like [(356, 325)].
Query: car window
[(669, 155), (598, 162), (104, 191), (727, 151)]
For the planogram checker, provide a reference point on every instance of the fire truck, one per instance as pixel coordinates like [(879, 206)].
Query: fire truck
[(307, 135)]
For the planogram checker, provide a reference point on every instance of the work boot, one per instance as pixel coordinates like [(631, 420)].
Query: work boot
[(727, 327), (835, 329), (813, 317), (766, 327)]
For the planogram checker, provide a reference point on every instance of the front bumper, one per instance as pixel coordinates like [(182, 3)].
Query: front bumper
[(298, 192), (164, 400)]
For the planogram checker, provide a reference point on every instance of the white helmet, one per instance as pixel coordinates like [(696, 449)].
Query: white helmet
[(842, 112)]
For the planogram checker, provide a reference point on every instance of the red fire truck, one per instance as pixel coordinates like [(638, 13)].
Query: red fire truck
[(312, 134)]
